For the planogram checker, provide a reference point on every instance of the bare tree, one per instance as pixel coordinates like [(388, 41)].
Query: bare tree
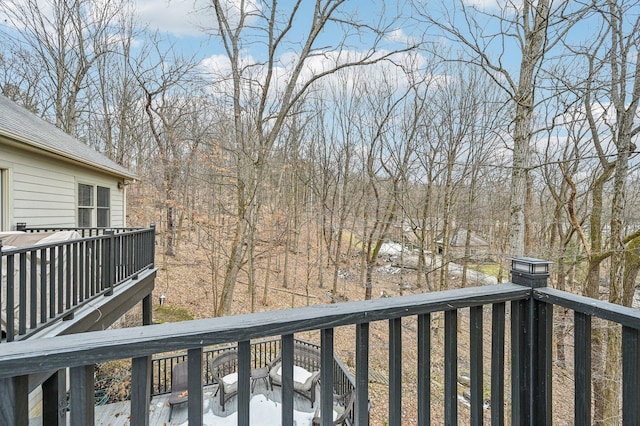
[(388, 148), (623, 93), (521, 29), (19, 78), (115, 121), (166, 80), (262, 98), (65, 39), (487, 119), (609, 93), (334, 156)]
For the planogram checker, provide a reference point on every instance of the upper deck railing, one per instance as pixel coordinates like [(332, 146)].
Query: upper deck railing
[(49, 281), (528, 390)]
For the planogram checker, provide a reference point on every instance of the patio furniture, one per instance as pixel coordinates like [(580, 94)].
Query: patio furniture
[(179, 386), (224, 371), (257, 374), (306, 361), (342, 405)]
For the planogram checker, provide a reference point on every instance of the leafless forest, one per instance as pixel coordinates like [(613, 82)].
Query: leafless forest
[(322, 131)]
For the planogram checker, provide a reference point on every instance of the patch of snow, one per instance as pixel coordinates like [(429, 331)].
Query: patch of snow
[(391, 249), (263, 412), (463, 400), (388, 269)]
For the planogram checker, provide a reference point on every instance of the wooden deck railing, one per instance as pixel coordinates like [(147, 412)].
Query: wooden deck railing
[(83, 231), (261, 353), (44, 283), (529, 400)]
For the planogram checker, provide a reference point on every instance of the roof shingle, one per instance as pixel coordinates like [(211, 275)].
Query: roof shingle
[(21, 125)]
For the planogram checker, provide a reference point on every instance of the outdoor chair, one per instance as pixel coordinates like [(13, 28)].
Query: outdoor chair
[(342, 405), (179, 386), (224, 371), (304, 357)]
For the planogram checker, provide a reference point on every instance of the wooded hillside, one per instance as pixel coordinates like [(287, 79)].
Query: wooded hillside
[(317, 134)]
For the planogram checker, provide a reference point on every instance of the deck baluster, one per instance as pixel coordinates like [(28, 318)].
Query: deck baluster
[(395, 371), (43, 285), (362, 374), (33, 289), (451, 367), (631, 376), (22, 297), (497, 363), (475, 337), (582, 368), (424, 369), (10, 312)]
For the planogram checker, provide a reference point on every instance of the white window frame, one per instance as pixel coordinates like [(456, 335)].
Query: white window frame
[(93, 206), (4, 199)]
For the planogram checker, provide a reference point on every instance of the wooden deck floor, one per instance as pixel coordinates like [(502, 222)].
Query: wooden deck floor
[(117, 414)]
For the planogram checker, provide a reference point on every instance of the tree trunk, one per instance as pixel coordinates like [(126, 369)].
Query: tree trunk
[(532, 52), (368, 285), (235, 260)]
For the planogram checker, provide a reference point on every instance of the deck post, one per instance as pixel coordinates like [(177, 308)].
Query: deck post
[(82, 394), (194, 410), (244, 382), (535, 341), (140, 390), (286, 348), (54, 404), (14, 401), (147, 311), (326, 376)]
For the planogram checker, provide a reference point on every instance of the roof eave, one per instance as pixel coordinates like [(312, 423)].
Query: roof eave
[(65, 155)]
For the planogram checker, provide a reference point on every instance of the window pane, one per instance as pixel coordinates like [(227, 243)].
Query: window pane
[(84, 217), (85, 195), (103, 197), (103, 217)]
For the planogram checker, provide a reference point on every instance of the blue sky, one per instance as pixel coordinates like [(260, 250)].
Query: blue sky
[(183, 21)]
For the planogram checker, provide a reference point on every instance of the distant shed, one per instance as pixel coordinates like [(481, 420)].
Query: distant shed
[(478, 246)]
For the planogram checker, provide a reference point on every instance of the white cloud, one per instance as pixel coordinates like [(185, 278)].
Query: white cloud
[(384, 72), (483, 4), (511, 5), (177, 17), (186, 17), (399, 36)]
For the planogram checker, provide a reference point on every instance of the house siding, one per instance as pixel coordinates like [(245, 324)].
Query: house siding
[(42, 190)]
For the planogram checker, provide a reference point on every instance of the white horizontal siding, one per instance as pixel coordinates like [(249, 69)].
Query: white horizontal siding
[(43, 190), (117, 207)]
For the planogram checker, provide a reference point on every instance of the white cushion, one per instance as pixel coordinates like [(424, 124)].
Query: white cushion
[(230, 379), (300, 375)]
